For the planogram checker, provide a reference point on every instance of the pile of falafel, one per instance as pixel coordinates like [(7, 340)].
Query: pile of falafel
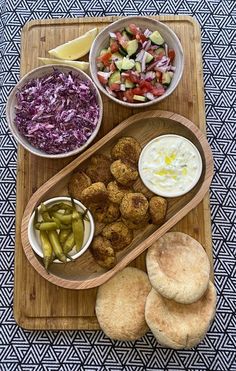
[(120, 203)]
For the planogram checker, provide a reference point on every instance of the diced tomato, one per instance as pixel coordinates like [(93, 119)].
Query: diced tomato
[(133, 77), (133, 28), (105, 58), (121, 39), (112, 67), (102, 79), (128, 94), (159, 56), (114, 87), (171, 54), (114, 46), (146, 86), (140, 37), (120, 95), (137, 91), (158, 91), (158, 76)]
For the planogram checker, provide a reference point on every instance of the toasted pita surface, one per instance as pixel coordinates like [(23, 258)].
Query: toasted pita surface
[(180, 326), (178, 267), (120, 305)]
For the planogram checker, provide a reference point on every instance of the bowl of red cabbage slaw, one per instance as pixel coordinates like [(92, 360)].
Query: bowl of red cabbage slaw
[(136, 61), (55, 111)]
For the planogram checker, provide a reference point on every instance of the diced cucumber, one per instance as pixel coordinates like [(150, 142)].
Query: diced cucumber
[(160, 51), (166, 78), (156, 38), (129, 84), (125, 35), (119, 64), (140, 98), (149, 57), (114, 78), (127, 64), (103, 51), (127, 29), (132, 47), (138, 67), (122, 51), (117, 56)]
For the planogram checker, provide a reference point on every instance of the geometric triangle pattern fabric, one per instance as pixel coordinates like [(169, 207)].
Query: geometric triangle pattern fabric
[(92, 350)]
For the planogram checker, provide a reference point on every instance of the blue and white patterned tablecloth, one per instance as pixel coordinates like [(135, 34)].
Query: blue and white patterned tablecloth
[(92, 350)]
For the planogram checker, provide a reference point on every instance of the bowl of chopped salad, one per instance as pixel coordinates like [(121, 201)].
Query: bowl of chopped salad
[(136, 61), (55, 111)]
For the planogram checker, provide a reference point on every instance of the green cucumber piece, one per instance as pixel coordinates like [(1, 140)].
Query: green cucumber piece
[(132, 47), (127, 29), (127, 64), (122, 51), (166, 78), (119, 64), (125, 35), (114, 78), (140, 98), (160, 51), (156, 38), (129, 84), (117, 56), (149, 57), (138, 67)]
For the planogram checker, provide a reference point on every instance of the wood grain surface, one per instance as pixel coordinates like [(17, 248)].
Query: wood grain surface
[(39, 304)]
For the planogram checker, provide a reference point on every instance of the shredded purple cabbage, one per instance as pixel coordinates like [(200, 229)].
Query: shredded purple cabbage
[(57, 113)]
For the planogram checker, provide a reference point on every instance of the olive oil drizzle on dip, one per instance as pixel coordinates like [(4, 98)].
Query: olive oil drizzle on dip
[(170, 165)]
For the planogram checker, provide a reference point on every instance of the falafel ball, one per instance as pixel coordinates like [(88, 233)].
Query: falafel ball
[(124, 172), (137, 225), (103, 252), (117, 191), (106, 213), (99, 169), (134, 206), (96, 193), (158, 208), (118, 234), (78, 182), (139, 187), (126, 147)]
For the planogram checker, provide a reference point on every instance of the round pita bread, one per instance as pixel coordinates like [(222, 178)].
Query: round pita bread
[(180, 326), (120, 305), (178, 267)]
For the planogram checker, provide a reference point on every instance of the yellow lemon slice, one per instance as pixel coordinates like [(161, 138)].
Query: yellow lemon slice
[(76, 48), (84, 66)]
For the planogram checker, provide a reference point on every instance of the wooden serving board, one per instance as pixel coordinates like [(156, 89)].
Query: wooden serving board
[(39, 304)]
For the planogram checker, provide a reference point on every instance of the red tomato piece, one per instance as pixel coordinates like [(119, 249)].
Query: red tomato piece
[(128, 94), (112, 67), (114, 46), (141, 37), (137, 91), (105, 59), (159, 56), (122, 41), (102, 79), (158, 76), (158, 91), (171, 54), (133, 28), (133, 77), (114, 87)]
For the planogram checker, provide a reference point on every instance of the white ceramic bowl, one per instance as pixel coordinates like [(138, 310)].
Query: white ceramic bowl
[(102, 41), (166, 192), (89, 228), (11, 103)]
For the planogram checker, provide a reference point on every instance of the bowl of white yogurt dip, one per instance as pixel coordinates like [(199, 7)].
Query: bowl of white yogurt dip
[(170, 165)]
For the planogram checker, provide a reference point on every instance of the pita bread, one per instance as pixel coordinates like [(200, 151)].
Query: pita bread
[(180, 326), (120, 305), (178, 267)]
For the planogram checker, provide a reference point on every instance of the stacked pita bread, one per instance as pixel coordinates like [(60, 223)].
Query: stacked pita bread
[(177, 304), (181, 306)]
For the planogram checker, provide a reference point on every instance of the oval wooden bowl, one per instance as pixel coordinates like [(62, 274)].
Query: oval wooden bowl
[(84, 273)]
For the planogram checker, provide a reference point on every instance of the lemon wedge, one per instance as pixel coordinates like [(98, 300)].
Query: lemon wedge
[(76, 48), (84, 66)]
